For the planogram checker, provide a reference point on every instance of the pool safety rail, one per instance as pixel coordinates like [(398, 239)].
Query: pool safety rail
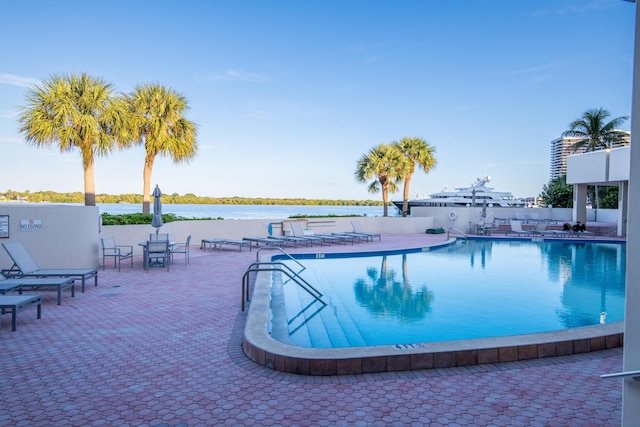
[(460, 233), (629, 374), (282, 268)]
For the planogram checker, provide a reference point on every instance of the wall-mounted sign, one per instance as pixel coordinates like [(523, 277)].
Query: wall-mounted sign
[(30, 225), (4, 226)]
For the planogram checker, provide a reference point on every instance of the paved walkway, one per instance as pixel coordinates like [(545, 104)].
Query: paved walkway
[(163, 349)]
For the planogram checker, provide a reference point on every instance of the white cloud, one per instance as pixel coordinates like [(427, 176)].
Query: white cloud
[(237, 75), (14, 80)]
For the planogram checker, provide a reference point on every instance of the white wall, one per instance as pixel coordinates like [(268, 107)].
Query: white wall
[(587, 168), (619, 164), (467, 217), (239, 228), (68, 237)]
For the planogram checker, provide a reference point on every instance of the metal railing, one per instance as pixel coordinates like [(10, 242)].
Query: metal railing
[(457, 231), (281, 268)]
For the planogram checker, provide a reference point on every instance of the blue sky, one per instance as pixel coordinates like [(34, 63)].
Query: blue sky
[(288, 95)]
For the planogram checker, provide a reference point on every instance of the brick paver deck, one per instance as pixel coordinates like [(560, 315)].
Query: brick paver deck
[(163, 349)]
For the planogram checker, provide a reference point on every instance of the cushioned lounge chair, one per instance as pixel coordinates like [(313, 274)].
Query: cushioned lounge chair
[(25, 266), (20, 284)]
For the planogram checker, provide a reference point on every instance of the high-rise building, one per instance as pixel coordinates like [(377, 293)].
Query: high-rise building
[(561, 148)]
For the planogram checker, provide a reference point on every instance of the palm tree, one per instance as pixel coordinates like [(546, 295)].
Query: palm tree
[(418, 153), (157, 118), (594, 132), (386, 164), (73, 111)]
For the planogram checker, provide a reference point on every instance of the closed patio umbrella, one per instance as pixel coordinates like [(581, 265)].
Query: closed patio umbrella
[(157, 209)]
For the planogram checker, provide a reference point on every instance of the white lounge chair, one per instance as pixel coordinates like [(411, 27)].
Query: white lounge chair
[(25, 266), (516, 228), (357, 229)]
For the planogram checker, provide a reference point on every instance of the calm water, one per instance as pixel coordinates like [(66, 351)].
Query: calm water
[(473, 290), (250, 211)]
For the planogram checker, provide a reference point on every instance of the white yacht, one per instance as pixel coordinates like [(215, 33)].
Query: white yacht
[(478, 195)]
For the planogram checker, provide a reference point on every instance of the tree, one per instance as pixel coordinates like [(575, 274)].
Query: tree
[(386, 165), (158, 122), (558, 193), (417, 153), (73, 111), (593, 132)]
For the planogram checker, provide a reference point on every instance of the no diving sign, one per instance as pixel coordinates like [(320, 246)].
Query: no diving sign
[(30, 225)]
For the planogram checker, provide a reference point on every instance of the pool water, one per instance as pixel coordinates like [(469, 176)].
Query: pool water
[(473, 289)]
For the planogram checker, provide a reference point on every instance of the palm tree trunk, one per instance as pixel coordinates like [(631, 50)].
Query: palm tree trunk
[(405, 200), (146, 191), (89, 179), (385, 199)]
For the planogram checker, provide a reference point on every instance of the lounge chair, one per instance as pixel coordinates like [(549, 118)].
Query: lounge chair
[(357, 229), (157, 251), (15, 304), (25, 266), (541, 229), (181, 248), (217, 243), (117, 252), (298, 232), (20, 284), (516, 228)]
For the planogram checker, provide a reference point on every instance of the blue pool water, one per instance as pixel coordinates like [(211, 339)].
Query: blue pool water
[(474, 289)]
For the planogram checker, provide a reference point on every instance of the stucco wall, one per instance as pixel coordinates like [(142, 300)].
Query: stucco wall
[(237, 229), (61, 236)]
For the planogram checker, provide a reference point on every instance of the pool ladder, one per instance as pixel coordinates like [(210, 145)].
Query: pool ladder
[(457, 231), (282, 268)]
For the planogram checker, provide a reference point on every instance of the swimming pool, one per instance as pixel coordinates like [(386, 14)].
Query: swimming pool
[(473, 289), (263, 324)]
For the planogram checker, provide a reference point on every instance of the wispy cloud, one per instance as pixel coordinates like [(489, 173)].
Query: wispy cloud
[(231, 75), (15, 80), (9, 140), (8, 114), (534, 69), (573, 8), (284, 110)]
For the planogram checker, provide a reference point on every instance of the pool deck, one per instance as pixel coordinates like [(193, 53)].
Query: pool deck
[(164, 349)]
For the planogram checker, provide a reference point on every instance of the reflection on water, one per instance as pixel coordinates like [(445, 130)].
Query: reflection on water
[(382, 294), (481, 288)]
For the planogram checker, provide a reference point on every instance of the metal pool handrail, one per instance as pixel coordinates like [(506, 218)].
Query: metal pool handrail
[(277, 266), (287, 254), (457, 231)]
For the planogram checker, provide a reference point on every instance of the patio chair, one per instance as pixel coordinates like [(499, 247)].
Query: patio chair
[(159, 236), (157, 251), (117, 252), (181, 248), (25, 266)]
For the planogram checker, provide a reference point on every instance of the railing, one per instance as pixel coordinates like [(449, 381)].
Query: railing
[(629, 374), (457, 231), (282, 268)]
